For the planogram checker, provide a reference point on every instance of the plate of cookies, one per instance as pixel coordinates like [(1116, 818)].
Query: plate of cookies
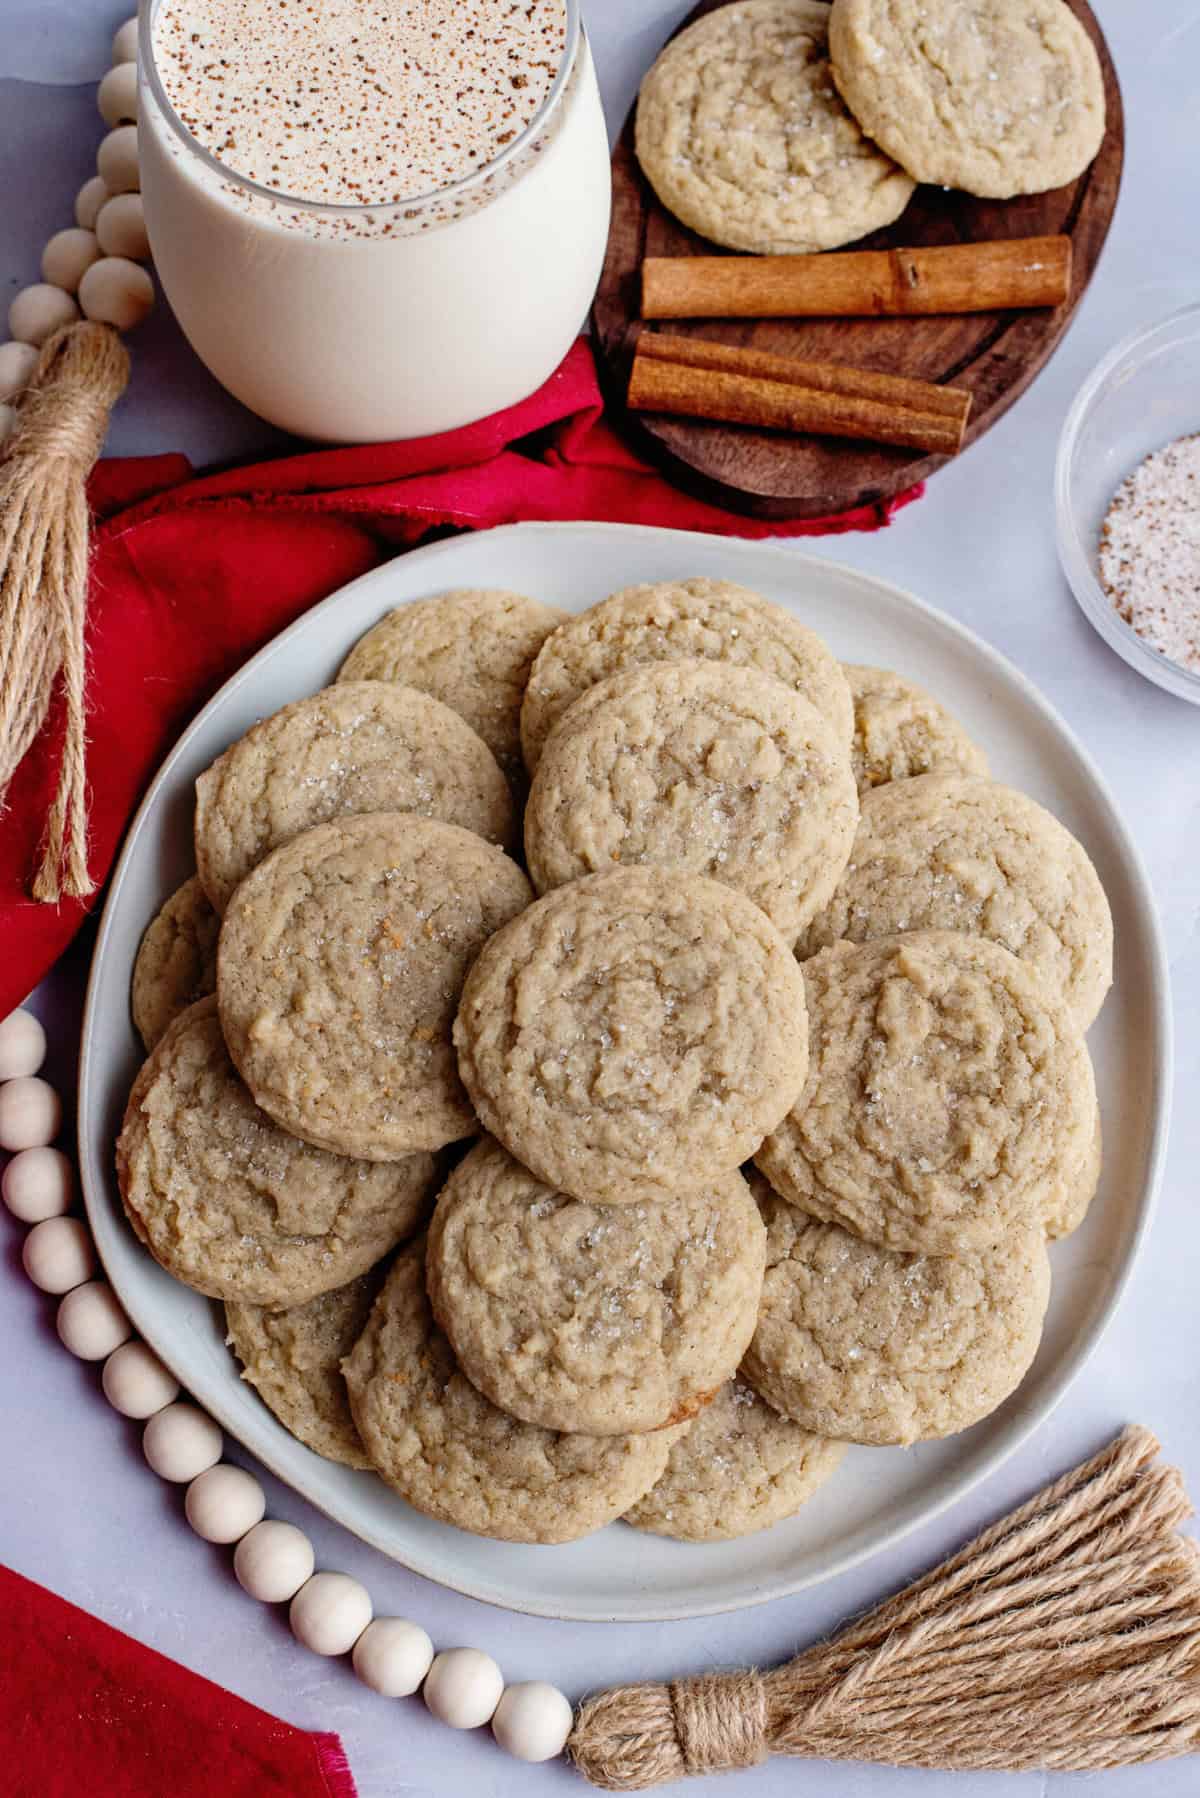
[(629, 1068)]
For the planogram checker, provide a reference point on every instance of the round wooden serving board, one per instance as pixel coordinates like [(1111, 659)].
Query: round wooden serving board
[(994, 354)]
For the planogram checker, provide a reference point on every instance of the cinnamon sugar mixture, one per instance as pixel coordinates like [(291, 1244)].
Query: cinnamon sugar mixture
[(358, 102), (1150, 551)]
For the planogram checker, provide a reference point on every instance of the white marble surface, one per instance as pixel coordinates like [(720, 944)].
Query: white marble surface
[(79, 1511)]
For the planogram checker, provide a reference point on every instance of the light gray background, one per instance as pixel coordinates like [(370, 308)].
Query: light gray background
[(78, 1509)]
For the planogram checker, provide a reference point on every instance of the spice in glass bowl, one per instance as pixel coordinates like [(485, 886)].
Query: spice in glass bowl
[(1150, 551)]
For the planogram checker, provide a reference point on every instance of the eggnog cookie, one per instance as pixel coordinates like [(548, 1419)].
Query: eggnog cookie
[(592, 1317), (450, 1452), (633, 1034), (472, 649), (857, 1342), (177, 962), (293, 1360), (341, 961), (739, 1466), (945, 1094), (901, 731), (367, 746), (998, 97), (678, 621), (743, 135), (948, 852), (231, 1204), (703, 767)]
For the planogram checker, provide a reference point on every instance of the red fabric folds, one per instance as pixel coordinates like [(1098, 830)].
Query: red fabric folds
[(86, 1709)]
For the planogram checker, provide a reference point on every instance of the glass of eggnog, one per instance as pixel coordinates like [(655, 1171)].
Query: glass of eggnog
[(373, 218)]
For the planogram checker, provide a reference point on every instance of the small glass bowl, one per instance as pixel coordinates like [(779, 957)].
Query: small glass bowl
[(1144, 394)]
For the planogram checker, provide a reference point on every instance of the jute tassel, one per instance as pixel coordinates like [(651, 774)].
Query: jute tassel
[(1066, 1636), (61, 426)]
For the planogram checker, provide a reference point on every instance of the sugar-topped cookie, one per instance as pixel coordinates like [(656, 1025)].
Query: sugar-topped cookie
[(633, 1035), (341, 961), (602, 1318), (452, 1454), (743, 135), (946, 1094), (857, 1342), (365, 746), (236, 1207)]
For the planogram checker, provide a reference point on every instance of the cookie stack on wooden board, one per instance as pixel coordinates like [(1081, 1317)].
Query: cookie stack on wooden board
[(600, 1309)]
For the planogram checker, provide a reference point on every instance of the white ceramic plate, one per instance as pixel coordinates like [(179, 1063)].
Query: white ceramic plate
[(878, 1494)]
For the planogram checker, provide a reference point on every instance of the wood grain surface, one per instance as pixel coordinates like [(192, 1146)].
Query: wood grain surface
[(994, 354)]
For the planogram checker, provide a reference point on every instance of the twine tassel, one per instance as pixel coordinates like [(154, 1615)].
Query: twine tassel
[(1065, 1637), (61, 427)]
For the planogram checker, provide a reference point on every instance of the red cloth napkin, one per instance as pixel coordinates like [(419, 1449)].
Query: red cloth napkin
[(191, 576), (84, 1709)]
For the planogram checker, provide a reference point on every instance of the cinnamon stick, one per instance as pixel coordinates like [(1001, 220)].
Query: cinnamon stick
[(975, 277), (734, 395), (823, 377)]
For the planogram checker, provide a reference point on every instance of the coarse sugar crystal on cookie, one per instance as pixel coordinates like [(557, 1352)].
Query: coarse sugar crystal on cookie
[(743, 135), (366, 746), (901, 731), (704, 767), (472, 648), (236, 1207), (860, 1343), (451, 1453), (177, 961), (951, 852), (293, 1360), (678, 621), (946, 1094), (740, 1466), (633, 1034), (997, 97), (341, 962), (602, 1318)]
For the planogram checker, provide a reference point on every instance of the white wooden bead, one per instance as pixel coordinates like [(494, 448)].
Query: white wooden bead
[(392, 1656), (532, 1721), (22, 1039), (91, 1321), (224, 1502), (125, 43), (121, 227), (68, 256), (117, 95), (181, 1441), (329, 1613), (116, 292), (58, 1254), (17, 363), (30, 1113), (88, 202), (136, 1383), (39, 311), (273, 1561), (463, 1687), (8, 421), (117, 160), (38, 1183)]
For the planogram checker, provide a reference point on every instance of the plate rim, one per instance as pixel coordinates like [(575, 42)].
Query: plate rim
[(1019, 1428)]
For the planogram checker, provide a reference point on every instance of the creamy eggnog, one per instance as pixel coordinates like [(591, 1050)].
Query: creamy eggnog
[(374, 218)]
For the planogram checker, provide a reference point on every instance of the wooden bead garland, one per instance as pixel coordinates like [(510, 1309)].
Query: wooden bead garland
[(54, 413), (22, 1039)]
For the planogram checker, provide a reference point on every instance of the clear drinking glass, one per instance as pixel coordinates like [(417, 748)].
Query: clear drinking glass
[(364, 323)]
